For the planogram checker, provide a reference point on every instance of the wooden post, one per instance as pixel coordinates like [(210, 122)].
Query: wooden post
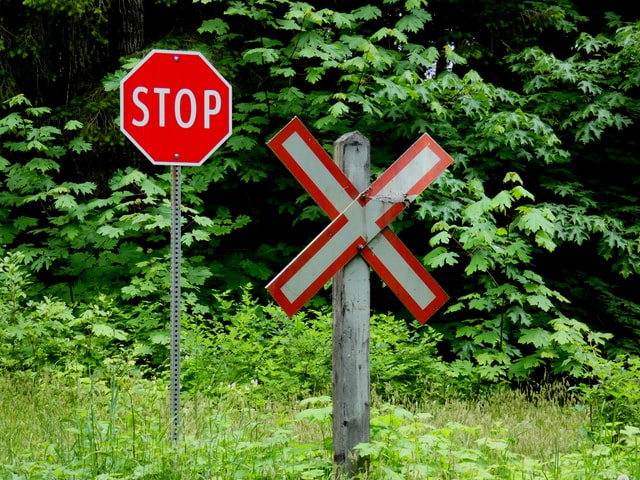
[(351, 315)]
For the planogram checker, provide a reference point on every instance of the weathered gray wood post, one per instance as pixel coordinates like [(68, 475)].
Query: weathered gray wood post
[(351, 314)]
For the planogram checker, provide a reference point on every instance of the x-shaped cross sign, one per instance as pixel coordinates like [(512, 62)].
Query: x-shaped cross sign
[(359, 222)]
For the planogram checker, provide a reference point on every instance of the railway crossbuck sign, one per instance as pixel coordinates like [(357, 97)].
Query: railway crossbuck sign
[(359, 222)]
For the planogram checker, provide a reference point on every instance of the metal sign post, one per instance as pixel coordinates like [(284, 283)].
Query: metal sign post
[(187, 134), (175, 291)]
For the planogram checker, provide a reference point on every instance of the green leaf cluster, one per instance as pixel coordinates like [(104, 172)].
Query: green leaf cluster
[(534, 228), (98, 259), (510, 323), (611, 395), (253, 344)]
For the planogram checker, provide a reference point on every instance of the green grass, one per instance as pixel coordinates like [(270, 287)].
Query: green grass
[(535, 425), (54, 428)]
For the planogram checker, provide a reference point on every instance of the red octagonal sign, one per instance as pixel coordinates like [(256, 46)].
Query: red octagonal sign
[(175, 107)]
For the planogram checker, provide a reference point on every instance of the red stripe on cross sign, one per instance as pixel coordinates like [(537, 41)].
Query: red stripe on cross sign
[(359, 222), (290, 291), (305, 158), (405, 275)]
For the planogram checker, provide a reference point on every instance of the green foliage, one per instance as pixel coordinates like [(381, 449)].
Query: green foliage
[(511, 324), (38, 334), (251, 344), (584, 96), (308, 50), (404, 359), (107, 256), (534, 250), (405, 444), (612, 398), (379, 75), (64, 6), (117, 428), (248, 344)]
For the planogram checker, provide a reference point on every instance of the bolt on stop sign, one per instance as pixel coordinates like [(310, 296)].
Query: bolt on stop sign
[(175, 107)]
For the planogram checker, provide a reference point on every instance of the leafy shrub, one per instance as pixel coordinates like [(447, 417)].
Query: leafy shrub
[(510, 324), (512, 317), (46, 333), (613, 397), (404, 358), (367, 69), (252, 344), (103, 255), (249, 343)]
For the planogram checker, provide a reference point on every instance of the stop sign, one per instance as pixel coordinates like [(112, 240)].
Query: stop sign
[(175, 107)]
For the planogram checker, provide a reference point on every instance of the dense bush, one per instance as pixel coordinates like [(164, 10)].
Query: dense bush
[(535, 244)]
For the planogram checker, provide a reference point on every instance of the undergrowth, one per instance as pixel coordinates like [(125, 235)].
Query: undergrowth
[(118, 428)]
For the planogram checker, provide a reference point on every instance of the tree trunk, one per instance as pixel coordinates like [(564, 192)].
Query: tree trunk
[(129, 27)]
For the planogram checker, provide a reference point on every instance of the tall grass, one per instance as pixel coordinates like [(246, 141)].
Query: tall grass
[(54, 428), (536, 425)]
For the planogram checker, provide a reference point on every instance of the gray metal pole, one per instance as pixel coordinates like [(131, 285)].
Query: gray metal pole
[(351, 315), (175, 293)]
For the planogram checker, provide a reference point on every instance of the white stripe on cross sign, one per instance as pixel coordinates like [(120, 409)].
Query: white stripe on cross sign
[(359, 222)]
